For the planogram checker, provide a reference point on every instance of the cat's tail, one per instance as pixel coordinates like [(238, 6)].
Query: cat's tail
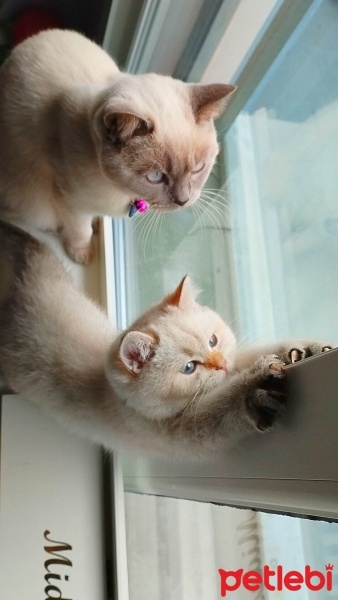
[(16, 250)]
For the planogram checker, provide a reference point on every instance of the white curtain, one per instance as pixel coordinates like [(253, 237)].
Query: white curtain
[(175, 547)]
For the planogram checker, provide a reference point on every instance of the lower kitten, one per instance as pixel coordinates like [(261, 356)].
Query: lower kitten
[(172, 382)]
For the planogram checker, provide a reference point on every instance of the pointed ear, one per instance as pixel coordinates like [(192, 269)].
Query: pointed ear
[(208, 101), (122, 126), (136, 349), (184, 295)]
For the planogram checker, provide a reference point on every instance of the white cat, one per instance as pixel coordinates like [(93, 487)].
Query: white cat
[(174, 382), (79, 138)]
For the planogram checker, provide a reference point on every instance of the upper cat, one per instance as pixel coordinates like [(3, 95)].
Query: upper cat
[(174, 382), (79, 138)]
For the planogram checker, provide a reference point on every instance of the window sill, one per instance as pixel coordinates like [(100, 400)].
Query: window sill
[(292, 469)]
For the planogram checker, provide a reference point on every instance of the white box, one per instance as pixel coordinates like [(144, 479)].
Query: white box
[(51, 516)]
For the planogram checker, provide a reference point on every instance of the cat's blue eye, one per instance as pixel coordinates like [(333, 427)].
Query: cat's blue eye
[(155, 176), (190, 367), (198, 168), (213, 341)]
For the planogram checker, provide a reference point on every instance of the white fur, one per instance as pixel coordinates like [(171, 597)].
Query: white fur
[(61, 164), (130, 390)]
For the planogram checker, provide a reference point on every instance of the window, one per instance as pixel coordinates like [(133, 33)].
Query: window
[(262, 243), (263, 247), (280, 167)]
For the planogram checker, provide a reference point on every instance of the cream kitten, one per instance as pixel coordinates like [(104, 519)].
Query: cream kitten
[(79, 138), (174, 382)]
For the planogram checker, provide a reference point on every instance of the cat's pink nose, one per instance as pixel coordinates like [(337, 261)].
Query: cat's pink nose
[(222, 367), (180, 202)]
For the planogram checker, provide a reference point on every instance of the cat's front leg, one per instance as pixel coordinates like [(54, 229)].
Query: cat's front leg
[(77, 238), (260, 395), (249, 401), (257, 394)]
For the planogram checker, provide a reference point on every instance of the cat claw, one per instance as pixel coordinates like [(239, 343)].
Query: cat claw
[(296, 355), (275, 364)]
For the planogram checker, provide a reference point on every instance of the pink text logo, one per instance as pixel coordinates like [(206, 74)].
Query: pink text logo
[(276, 579)]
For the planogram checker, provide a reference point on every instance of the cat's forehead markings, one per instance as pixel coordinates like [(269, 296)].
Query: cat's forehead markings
[(179, 161), (187, 350), (193, 342)]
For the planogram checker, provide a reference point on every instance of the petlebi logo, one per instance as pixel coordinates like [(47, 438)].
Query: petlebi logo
[(276, 579)]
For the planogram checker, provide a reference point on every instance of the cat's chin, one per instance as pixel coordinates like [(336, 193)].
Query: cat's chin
[(166, 208), (168, 205)]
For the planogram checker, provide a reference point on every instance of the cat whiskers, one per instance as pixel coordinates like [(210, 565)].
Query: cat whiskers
[(221, 196), (220, 204), (195, 416), (222, 201), (147, 234), (189, 405), (142, 225), (215, 216), (198, 211), (156, 232), (244, 339), (137, 222), (135, 230)]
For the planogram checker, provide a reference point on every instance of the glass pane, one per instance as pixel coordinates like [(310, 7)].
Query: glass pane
[(161, 249), (176, 548), (264, 249), (282, 179)]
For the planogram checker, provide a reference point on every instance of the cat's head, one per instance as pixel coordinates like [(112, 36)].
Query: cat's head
[(155, 137), (173, 355)]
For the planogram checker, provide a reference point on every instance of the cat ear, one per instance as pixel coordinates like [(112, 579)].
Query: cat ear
[(136, 349), (122, 126), (208, 101), (184, 295)]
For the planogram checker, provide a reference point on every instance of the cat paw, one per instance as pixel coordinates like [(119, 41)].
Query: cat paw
[(82, 255), (266, 399), (302, 350)]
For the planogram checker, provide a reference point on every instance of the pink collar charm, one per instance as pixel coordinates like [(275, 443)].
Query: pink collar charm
[(139, 205)]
